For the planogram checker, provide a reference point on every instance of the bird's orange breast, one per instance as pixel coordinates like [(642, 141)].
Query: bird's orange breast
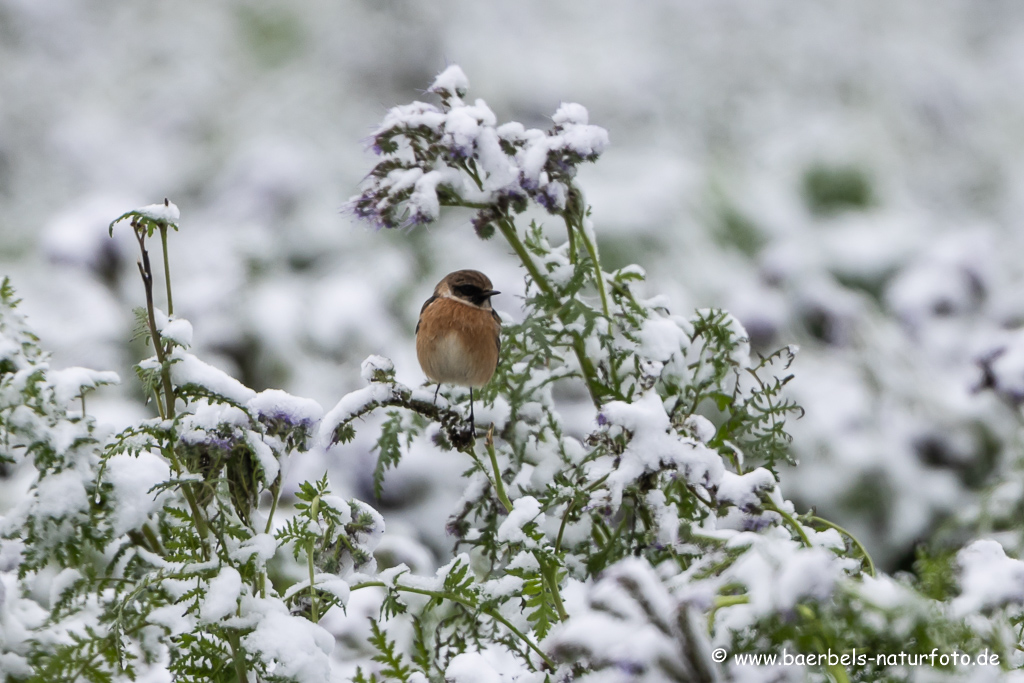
[(457, 343)]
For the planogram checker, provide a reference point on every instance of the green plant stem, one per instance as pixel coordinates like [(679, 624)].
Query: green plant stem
[(725, 601), (835, 671), (146, 270), (313, 606), (508, 230), (856, 542), (491, 612), (591, 248), (572, 238), (561, 527), (236, 656), (167, 267), (770, 504), (186, 489), (499, 485), (275, 493), (549, 572)]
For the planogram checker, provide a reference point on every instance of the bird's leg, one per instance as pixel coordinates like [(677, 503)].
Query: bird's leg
[(472, 423), (435, 392)]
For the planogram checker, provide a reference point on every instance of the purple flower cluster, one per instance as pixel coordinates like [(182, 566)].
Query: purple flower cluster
[(455, 154)]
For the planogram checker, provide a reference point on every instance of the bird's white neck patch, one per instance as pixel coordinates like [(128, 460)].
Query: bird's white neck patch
[(449, 295)]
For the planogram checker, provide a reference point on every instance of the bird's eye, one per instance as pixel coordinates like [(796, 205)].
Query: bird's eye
[(468, 291)]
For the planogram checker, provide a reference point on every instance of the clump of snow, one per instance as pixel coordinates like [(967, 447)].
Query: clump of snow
[(570, 112), (262, 546), (377, 369), (168, 211), (289, 646), (701, 428), (630, 628), (470, 667), (221, 598), (277, 405), (662, 338), (353, 403), (179, 331), (451, 81), (59, 495), (777, 573), (132, 478), (744, 490), (187, 369), (70, 383), (988, 578), (524, 510), (173, 618)]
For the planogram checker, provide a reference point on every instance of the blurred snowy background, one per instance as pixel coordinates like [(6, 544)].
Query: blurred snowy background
[(847, 177)]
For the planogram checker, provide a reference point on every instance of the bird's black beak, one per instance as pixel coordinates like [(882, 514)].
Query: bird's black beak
[(491, 293)]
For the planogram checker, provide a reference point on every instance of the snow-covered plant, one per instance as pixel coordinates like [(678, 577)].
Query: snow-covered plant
[(149, 547), (645, 538), (622, 548)]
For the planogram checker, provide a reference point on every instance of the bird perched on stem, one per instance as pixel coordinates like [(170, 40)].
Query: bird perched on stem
[(458, 336)]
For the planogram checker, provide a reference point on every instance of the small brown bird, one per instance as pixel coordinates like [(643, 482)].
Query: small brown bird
[(458, 336)]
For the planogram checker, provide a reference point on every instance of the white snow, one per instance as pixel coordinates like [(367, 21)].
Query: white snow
[(61, 494), (524, 510), (167, 211), (375, 366), (179, 331), (221, 599), (470, 667), (280, 405), (291, 647), (452, 80), (988, 578), (132, 478), (173, 618), (662, 338), (652, 447), (188, 369), (744, 491), (70, 383)]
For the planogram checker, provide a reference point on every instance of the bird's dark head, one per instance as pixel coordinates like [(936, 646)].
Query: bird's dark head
[(470, 286)]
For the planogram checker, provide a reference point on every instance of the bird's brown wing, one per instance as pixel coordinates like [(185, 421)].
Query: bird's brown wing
[(426, 303), (497, 331)]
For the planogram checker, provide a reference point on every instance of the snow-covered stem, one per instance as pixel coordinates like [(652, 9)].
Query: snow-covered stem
[(790, 520), (860, 546)]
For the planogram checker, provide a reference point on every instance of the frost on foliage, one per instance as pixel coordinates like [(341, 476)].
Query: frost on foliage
[(630, 628), (988, 579)]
